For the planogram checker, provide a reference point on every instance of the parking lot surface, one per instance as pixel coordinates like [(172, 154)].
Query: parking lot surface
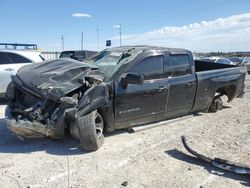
[(151, 158)]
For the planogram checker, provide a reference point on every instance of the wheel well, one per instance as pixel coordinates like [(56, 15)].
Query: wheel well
[(228, 91), (108, 118)]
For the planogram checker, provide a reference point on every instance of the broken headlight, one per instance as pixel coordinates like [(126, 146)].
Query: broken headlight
[(10, 91)]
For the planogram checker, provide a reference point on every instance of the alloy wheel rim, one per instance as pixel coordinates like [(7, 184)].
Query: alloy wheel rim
[(99, 125)]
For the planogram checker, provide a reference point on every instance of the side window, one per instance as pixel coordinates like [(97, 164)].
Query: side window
[(150, 67), (177, 65), (4, 59), (18, 58)]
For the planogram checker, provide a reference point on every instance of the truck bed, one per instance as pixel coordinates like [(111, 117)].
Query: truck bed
[(212, 77), (204, 65)]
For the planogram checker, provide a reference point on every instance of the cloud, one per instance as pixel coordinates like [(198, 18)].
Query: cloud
[(81, 15), (223, 34), (116, 26)]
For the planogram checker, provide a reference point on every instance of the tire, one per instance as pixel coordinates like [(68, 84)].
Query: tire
[(216, 105), (91, 128)]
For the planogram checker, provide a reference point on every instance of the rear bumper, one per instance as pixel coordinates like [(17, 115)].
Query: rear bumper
[(241, 94)]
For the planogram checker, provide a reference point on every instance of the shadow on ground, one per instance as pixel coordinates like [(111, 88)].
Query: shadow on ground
[(9, 143), (244, 179), (225, 107)]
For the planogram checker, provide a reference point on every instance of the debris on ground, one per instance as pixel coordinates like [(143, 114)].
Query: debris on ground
[(217, 162)]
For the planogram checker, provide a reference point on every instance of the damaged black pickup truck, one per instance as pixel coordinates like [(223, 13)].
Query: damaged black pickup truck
[(119, 88)]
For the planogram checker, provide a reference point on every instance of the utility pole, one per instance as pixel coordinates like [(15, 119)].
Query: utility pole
[(62, 38), (97, 32), (81, 40), (120, 32)]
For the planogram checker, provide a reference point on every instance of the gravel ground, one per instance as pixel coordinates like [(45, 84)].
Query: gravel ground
[(152, 158)]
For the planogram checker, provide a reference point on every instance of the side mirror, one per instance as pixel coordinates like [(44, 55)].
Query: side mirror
[(132, 78)]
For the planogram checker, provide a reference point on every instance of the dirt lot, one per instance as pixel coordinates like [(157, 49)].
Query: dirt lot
[(152, 158)]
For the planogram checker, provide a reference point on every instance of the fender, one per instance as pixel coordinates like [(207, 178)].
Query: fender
[(94, 98)]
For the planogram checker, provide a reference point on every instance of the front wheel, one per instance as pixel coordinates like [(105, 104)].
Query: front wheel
[(216, 105), (91, 128)]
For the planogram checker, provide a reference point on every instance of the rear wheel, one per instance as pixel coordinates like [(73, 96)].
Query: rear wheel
[(216, 105), (91, 128)]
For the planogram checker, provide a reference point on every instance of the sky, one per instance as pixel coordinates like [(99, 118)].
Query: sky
[(201, 26)]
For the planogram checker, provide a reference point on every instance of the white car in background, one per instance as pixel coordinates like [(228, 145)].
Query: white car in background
[(220, 60), (246, 62), (11, 61)]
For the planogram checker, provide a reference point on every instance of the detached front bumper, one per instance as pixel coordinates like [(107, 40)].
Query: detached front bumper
[(29, 129), (33, 129)]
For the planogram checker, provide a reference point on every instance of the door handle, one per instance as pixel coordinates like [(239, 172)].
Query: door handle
[(190, 84), (9, 69)]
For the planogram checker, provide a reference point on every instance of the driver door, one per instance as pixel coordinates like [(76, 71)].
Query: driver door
[(139, 104)]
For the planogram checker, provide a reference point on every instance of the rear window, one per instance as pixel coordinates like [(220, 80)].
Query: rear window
[(177, 65), (67, 54), (4, 59), (77, 55), (18, 58)]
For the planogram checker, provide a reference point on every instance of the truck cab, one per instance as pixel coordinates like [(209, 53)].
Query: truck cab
[(167, 88)]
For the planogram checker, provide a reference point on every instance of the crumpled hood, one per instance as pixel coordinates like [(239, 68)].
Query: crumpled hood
[(55, 78)]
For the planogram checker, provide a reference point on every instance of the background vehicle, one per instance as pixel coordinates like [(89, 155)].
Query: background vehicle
[(118, 88), (220, 60), (247, 63), (237, 60), (11, 61), (79, 55)]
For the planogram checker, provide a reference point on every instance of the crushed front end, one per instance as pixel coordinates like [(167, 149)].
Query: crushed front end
[(46, 98), (32, 116)]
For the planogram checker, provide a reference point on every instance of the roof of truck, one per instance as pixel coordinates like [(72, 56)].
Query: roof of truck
[(145, 48)]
